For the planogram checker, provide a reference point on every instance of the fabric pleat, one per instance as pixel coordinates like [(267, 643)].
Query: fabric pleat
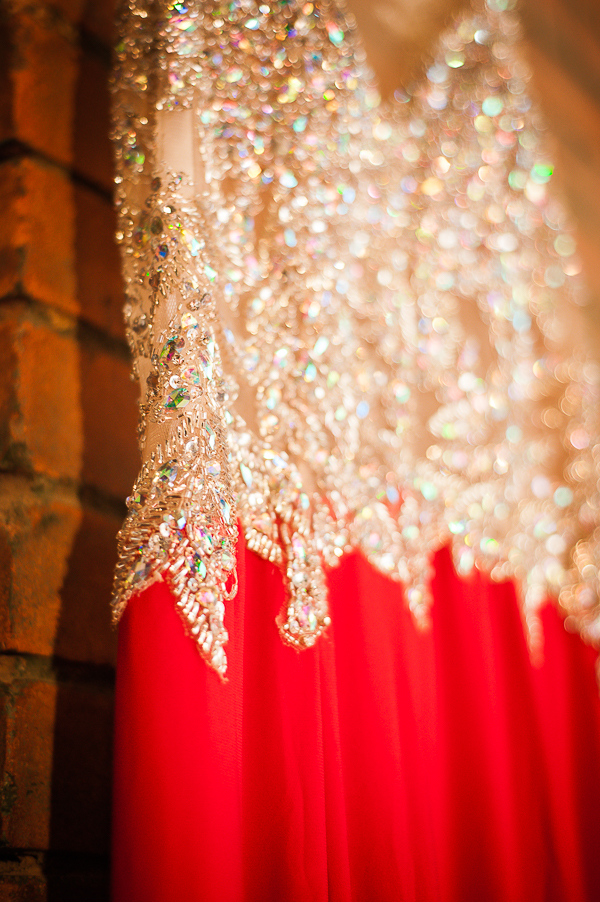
[(383, 764)]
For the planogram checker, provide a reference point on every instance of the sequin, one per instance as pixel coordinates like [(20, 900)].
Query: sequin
[(167, 473), (168, 351), (179, 398), (199, 566), (246, 475), (226, 509), (288, 179), (335, 33)]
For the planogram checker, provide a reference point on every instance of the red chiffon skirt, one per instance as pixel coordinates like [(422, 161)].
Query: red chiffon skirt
[(383, 764)]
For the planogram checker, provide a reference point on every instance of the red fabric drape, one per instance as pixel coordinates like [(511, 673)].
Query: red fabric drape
[(384, 764)]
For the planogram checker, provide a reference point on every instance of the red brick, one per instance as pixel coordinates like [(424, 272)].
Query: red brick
[(8, 380), (57, 564), (6, 120), (99, 20), (5, 570), (23, 889), (28, 766), (67, 887), (57, 760), (39, 530), (109, 405), (84, 631), (49, 392), (37, 239), (97, 17), (72, 9), (93, 156), (82, 768), (12, 230), (70, 407), (99, 283), (40, 393), (7, 794), (42, 84)]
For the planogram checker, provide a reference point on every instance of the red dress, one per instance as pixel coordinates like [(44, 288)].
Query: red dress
[(354, 333), (383, 764)]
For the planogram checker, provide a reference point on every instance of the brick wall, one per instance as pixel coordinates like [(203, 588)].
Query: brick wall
[(67, 407), (67, 447)]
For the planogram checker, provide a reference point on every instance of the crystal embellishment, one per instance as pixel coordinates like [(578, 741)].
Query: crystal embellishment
[(355, 323)]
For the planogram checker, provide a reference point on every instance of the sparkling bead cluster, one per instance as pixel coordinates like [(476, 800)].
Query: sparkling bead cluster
[(355, 322)]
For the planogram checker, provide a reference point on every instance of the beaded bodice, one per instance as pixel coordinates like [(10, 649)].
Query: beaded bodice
[(354, 322)]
